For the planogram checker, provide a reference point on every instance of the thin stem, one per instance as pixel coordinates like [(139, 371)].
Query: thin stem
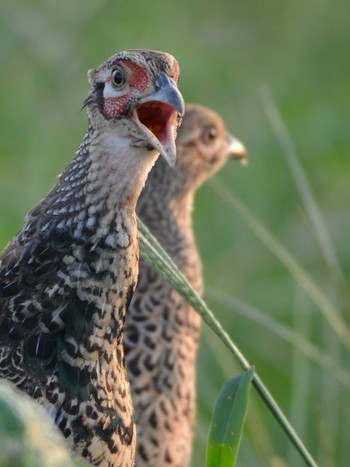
[(159, 259), (299, 177), (305, 281), (300, 343), (314, 215)]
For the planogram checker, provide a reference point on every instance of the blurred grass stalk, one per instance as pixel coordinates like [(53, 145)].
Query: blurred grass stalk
[(334, 315), (322, 238), (313, 212), (300, 375), (302, 277), (159, 259), (288, 335)]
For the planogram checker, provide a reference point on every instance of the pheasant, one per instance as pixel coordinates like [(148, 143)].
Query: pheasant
[(67, 278), (161, 329)]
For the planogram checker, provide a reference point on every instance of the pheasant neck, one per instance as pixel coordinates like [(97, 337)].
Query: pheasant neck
[(104, 178)]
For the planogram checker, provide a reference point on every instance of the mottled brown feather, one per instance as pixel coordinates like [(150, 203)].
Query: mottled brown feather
[(162, 330), (66, 279)]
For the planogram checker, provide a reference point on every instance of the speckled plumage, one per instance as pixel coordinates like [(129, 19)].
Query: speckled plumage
[(67, 278), (162, 330)]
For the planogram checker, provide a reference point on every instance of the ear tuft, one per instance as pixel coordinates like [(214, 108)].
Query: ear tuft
[(91, 75)]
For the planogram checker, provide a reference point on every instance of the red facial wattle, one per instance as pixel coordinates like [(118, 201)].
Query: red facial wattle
[(137, 81), (113, 107)]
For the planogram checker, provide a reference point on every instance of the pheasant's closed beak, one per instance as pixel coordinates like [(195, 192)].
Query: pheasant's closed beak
[(160, 112), (237, 150)]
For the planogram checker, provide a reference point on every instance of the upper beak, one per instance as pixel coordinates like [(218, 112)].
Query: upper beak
[(168, 93), (161, 113), (237, 150)]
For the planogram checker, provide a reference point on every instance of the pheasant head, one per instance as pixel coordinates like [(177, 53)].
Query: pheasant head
[(204, 146), (135, 92)]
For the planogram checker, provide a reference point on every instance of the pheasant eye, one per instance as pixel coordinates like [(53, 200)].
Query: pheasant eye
[(209, 134), (118, 79)]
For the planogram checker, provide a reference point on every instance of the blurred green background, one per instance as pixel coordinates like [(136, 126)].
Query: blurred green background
[(227, 51)]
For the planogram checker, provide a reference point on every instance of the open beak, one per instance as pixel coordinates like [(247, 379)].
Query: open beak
[(160, 114), (237, 150)]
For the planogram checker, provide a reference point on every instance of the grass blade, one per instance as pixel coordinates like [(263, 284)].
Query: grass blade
[(307, 197), (297, 340), (305, 281), (228, 420), (259, 444), (323, 241), (301, 375)]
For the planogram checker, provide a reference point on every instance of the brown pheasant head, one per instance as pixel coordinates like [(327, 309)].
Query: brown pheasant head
[(204, 145), (138, 88)]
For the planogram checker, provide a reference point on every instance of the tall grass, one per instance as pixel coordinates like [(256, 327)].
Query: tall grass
[(156, 255)]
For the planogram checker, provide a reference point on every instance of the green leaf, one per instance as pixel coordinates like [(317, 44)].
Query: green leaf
[(228, 419)]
